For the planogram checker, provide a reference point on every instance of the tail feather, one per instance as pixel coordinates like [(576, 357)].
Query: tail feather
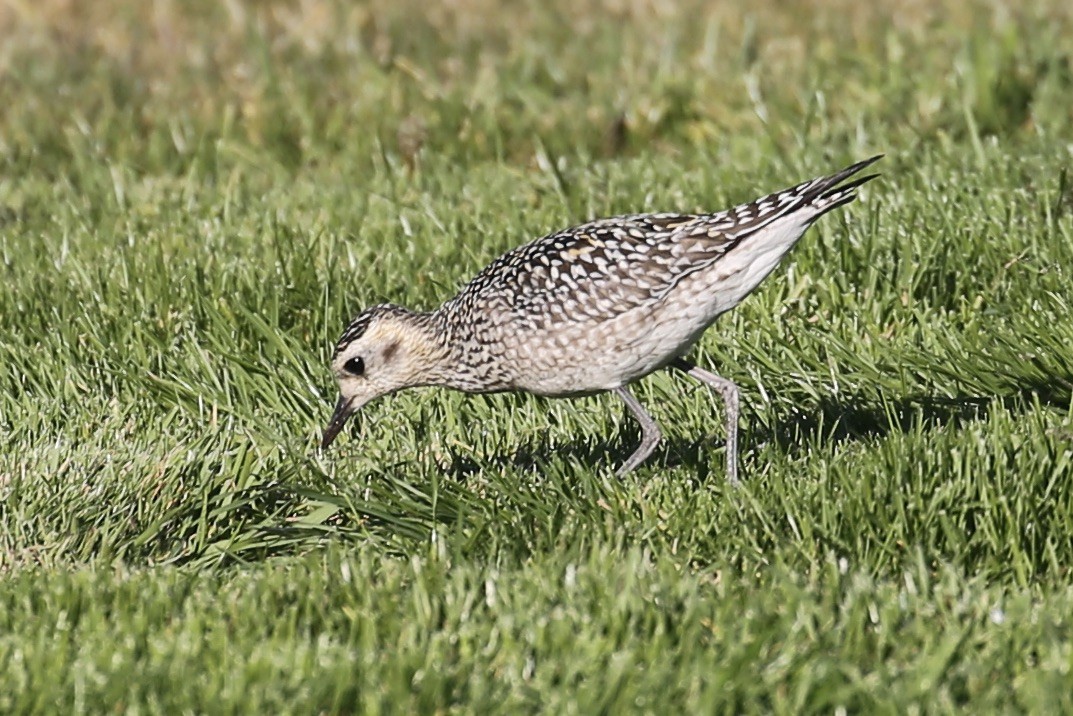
[(818, 196), (833, 191), (827, 183)]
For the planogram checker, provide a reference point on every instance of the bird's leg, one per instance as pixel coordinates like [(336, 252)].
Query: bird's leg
[(729, 390), (650, 433)]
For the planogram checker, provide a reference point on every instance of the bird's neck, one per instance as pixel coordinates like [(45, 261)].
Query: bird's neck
[(429, 348), (469, 360)]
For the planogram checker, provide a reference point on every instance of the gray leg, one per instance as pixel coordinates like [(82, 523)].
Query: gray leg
[(650, 433), (729, 391)]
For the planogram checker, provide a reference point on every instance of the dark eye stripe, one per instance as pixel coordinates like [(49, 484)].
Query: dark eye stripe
[(355, 366)]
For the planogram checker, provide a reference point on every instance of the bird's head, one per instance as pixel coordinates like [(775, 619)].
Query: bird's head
[(385, 349)]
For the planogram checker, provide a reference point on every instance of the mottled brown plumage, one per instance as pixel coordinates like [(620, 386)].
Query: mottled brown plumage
[(588, 309)]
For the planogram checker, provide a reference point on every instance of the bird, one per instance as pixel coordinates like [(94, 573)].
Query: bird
[(589, 309)]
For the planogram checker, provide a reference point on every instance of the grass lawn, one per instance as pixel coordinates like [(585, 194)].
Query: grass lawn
[(196, 197)]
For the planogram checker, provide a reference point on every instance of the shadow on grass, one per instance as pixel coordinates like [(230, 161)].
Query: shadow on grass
[(829, 421), (838, 421), (604, 453), (286, 516)]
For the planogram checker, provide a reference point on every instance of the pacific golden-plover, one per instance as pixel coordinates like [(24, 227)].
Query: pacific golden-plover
[(588, 309)]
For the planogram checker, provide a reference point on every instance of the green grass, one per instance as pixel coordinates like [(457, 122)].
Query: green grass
[(194, 199)]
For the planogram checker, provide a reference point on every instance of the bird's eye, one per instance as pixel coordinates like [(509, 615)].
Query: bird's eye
[(356, 366)]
